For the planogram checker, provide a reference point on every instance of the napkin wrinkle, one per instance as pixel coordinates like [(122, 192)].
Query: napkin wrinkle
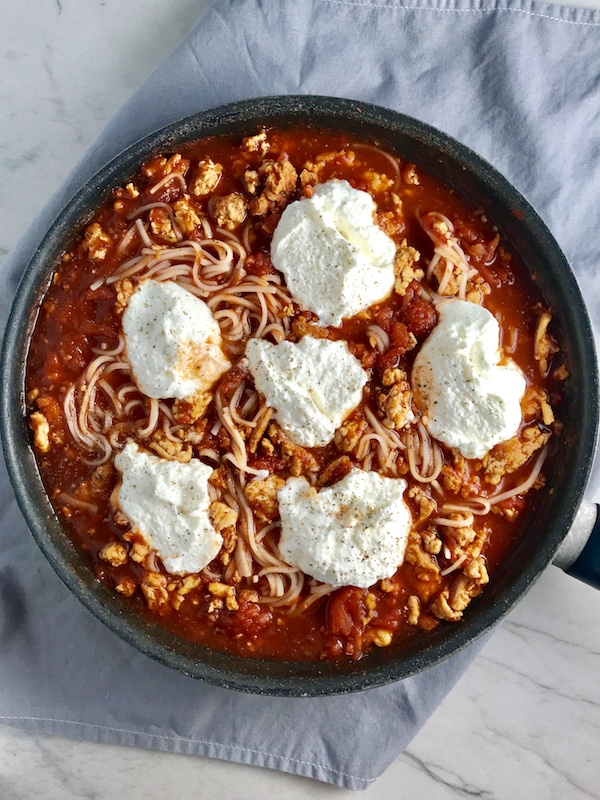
[(507, 80)]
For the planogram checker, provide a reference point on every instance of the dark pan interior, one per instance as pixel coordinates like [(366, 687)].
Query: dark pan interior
[(554, 508)]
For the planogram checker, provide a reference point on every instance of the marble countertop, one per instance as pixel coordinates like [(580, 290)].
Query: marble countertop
[(523, 722)]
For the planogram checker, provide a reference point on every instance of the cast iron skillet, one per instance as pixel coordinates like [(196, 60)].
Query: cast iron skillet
[(554, 507)]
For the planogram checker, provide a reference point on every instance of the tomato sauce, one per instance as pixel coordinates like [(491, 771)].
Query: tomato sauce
[(78, 318)]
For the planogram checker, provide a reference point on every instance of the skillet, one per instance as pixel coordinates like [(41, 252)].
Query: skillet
[(552, 513)]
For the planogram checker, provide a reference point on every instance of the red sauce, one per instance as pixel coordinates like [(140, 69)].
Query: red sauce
[(76, 318)]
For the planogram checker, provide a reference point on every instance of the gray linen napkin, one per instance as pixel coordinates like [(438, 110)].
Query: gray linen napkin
[(517, 81)]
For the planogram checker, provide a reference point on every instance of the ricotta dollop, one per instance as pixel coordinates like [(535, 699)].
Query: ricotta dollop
[(167, 503), (172, 341), (471, 401), (353, 533), (312, 385), (335, 260)]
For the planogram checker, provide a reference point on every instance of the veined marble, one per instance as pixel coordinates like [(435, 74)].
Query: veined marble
[(524, 721)]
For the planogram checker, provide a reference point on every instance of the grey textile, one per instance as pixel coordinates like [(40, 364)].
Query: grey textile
[(517, 81)]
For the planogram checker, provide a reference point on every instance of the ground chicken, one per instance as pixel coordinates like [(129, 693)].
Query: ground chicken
[(431, 541), (377, 181), (230, 210), (161, 225), (450, 479), (267, 446), (96, 242), (507, 457), (230, 538), (349, 435), (223, 591), (447, 283), (41, 431), (465, 541), (218, 479), (190, 410), (262, 496), (102, 477), (299, 460), (193, 434), (426, 567), (251, 181), (259, 431), (476, 289), (114, 554), (124, 289), (458, 479), (231, 603), (208, 175), (442, 609), (139, 551), (535, 405), (222, 516), (308, 178), (154, 588), (335, 471), (392, 375), (126, 586), (414, 610), (396, 403), (477, 571), (316, 167), (215, 605), (393, 222), (159, 167), (468, 585), (458, 537), (301, 326), (185, 216), (276, 183), (381, 637), (405, 268), (256, 144), (170, 450), (176, 164), (409, 175), (183, 588), (475, 548), (426, 505), (545, 345)]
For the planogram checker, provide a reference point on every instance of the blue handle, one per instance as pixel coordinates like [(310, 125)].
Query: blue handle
[(587, 567)]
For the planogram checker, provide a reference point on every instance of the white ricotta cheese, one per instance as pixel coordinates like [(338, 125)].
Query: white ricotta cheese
[(353, 533), (172, 340), (470, 400), (167, 503), (335, 260), (312, 385)]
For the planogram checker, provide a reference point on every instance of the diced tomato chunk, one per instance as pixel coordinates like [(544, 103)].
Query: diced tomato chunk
[(391, 359), (259, 264), (420, 317), (271, 463), (346, 611), (400, 336), (384, 318)]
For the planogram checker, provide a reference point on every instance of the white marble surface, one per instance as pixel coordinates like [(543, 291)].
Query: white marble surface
[(524, 721)]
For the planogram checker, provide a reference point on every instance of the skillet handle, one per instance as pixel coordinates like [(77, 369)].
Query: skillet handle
[(579, 553), (586, 567)]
